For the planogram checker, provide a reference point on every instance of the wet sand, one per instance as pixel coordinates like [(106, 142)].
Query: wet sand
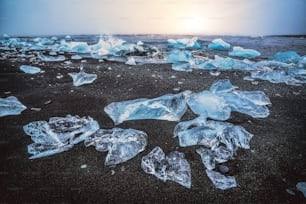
[(274, 164)]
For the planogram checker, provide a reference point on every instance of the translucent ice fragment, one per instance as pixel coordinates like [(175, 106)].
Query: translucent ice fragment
[(169, 107), (301, 186), (82, 78), (175, 56), (29, 69), (131, 61), (173, 167), (51, 58), (121, 144), (10, 106), (223, 85), (246, 53), (219, 44), (184, 43), (211, 157), (58, 134), (227, 63), (286, 57), (79, 47), (220, 181), (76, 57), (182, 66), (209, 104)]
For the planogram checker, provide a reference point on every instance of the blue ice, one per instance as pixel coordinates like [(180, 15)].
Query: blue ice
[(51, 58), (82, 78), (227, 63), (58, 134), (286, 57), (79, 47), (219, 44), (220, 181), (11, 106), (169, 107), (178, 56), (29, 69), (172, 167), (184, 43), (245, 53), (121, 144)]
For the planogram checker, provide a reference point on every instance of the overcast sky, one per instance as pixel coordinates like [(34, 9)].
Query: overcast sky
[(233, 17)]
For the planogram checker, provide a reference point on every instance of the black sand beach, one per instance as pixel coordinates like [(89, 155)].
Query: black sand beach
[(273, 165)]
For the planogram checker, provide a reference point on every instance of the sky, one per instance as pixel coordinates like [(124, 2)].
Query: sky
[(220, 17)]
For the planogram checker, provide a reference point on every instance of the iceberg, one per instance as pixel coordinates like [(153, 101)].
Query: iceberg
[(184, 43), (211, 134), (58, 134), (220, 181), (169, 107), (10, 106), (173, 167), (301, 186), (241, 52), (51, 58), (29, 69), (286, 57), (82, 78), (121, 144), (219, 44)]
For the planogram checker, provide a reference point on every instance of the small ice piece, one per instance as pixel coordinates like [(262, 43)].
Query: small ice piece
[(10, 106), (79, 47), (131, 61), (301, 186), (169, 107), (51, 58), (29, 69), (209, 104), (220, 181), (210, 157), (121, 144), (182, 66), (241, 52), (76, 57), (184, 43), (223, 85), (176, 56), (58, 134), (82, 78), (219, 44), (83, 166), (286, 57), (173, 167)]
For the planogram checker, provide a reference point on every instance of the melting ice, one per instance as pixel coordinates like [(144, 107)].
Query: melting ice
[(29, 69), (241, 52), (172, 167), (184, 43), (169, 107), (51, 58), (121, 144), (220, 181), (82, 78), (219, 44), (58, 134), (11, 106)]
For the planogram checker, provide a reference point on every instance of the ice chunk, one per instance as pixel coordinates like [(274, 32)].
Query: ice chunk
[(209, 104), (169, 107), (82, 78), (227, 63), (182, 66), (286, 57), (79, 47), (131, 61), (76, 57), (241, 52), (219, 44), (223, 85), (301, 186), (10, 106), (220, 181), (121, 144), (173, 167), (29, 69), (184, 43), (51, 58), (175, 56), (211, 157), (211, 133), (58, 134)]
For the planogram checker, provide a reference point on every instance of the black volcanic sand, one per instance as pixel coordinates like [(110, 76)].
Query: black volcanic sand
[(273, 165)]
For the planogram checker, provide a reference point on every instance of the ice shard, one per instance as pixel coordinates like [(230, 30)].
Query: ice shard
[(245, 53), (79, 47), (286, 57), (51, 58), (58, 134), (11, 106), (221, 63), (169, 107), (76, 57), (220, 181), (29, 69), (219, 44), (184, 43), (210, 157), (131, 61), (211, 134), (178, 56), (172, 167), (121, 144), (301, 186), (82, 78)]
